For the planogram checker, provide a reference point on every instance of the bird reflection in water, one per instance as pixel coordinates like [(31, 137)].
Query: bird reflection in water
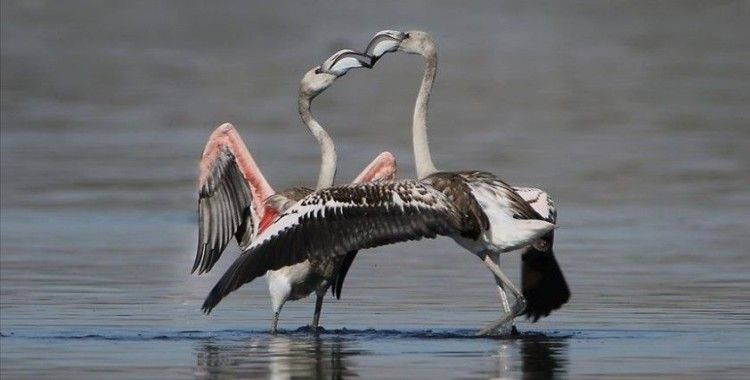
[(276, 357), (333, 356), (533, 357), (543, 358)]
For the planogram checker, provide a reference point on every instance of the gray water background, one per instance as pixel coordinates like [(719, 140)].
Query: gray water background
[(635, 116)]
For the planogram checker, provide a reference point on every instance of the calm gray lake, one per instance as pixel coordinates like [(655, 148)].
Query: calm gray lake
[(634, 115)]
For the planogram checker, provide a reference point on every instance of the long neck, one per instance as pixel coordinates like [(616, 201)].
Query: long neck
[(327, 149), (422, 157)]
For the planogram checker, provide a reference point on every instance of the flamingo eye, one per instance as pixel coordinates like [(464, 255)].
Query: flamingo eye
[(407, 35), (318, 71)]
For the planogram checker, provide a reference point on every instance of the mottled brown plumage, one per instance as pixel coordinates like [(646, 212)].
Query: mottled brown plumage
[(332, 270), (334, 221), (520, 208), (453, 185), (282, 200), (331, 222)]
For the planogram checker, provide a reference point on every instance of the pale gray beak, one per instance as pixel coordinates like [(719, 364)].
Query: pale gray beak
[(342, 61), (385, 41)]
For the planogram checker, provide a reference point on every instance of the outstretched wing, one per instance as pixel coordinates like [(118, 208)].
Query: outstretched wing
[(337, 220), (542, 281), (382, 168), (231, 194)]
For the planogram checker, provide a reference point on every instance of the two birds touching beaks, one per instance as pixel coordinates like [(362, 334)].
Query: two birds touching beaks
[(305, 240)]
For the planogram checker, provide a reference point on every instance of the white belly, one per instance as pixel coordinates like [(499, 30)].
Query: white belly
[(292, 283)]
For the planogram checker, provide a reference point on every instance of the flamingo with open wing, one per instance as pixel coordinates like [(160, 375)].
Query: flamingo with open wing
[(477, 209), (235, 199)]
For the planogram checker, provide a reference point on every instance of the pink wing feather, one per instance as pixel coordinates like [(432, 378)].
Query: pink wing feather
[(232, 193), (226, 136), (382, 168)]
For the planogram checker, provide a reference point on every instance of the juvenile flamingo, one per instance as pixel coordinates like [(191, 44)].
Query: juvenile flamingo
[(543, 284), (236, 200)]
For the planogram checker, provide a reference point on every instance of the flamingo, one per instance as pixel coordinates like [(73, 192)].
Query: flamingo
[(477, 209), (236, 200), (543, 283)]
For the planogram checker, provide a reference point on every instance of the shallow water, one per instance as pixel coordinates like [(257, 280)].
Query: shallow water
[(635, 116)]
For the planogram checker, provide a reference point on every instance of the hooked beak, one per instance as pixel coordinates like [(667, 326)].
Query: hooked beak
[(342, 61), (385, 41)]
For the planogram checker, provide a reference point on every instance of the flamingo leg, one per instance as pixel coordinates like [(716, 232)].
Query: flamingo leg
[(275, 322), (318, 308), (503, 295), (503, 283)]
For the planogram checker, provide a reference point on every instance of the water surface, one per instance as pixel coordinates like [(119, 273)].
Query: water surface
[(634, 115)]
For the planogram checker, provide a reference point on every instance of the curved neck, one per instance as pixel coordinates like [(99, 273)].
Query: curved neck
[(327, 149), (422, 157)]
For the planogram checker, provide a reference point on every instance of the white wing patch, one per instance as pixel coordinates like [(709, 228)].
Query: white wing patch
[(540, 201), (491, 199)]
